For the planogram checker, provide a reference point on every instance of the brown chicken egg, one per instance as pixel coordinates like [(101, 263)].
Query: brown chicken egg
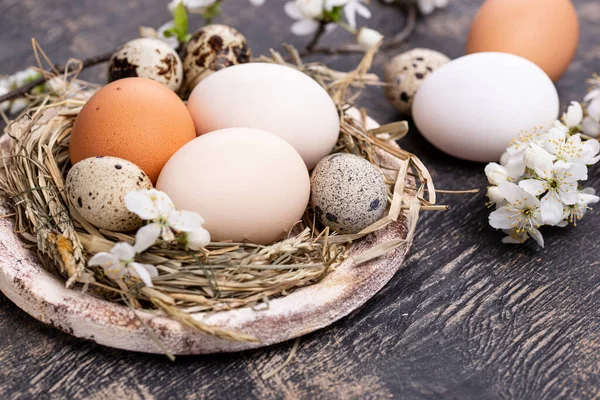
[(137, 119), (546, 32)]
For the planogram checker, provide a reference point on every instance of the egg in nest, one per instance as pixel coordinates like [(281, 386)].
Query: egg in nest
[(136, 119), (147, 58), (96, 188), (211, 49)]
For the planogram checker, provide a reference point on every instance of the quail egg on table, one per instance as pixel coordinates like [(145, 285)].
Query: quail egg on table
[(97, 186), (405, 73), (213, 48), (147, 58), (348, 193)]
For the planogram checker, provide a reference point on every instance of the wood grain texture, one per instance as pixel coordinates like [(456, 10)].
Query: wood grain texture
[(467, 318)]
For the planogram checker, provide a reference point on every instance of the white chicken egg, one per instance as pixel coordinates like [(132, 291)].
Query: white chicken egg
[(274, 98), (474, 106)]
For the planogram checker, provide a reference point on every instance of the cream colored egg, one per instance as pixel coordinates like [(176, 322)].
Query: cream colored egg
[(274, 98), (97, 186), (247, 184)]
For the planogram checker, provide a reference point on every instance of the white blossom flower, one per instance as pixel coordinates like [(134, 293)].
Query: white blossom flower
[(574, 212), (513, 159), (354, 7), (367, 38), (573, 116), (496, 173), (521, 212), (570, 148), (426, 7), (557, 180), (306, 13), (156, 206), (197, 239), (309, 13), (119, 263)]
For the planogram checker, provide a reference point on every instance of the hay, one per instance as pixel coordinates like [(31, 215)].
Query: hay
[(223, 276)]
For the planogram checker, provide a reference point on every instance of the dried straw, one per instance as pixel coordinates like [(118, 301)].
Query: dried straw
[(223, 276)]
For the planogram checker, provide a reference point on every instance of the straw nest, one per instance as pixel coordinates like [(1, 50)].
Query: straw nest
[(223, 276)]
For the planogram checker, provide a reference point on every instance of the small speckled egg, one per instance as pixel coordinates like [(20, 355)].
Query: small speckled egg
[(405, 73), (97, 186), (147, 58), (348, 193), (213, 48)]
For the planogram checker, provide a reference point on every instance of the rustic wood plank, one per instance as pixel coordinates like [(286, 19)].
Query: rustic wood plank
[(466, 318)]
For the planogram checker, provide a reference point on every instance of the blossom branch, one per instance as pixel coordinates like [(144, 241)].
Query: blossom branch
[(399, 39)]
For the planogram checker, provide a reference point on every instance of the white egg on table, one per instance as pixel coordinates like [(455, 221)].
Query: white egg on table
[(474, 106), (274, 98)]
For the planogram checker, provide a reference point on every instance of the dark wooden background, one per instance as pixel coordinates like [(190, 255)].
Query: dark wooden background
[(466, 317)]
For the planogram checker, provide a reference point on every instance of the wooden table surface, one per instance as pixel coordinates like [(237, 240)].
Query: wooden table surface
[(466, 317)]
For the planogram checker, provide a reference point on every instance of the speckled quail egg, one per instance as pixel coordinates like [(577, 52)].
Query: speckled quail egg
[(405, 73), (212, 48), (348, 193), (147, 58), (96, 187)]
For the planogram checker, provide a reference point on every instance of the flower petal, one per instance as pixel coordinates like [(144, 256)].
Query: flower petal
[(123, 251), (574, 114), (162, 202), (495, 194), (502, 218), (539, 160), (552, 208), (514, 237), (198, 239), (140, 203), (537, 236), (146, 236), (496, 173), (304, 27), (103, 260), (590, 127), (533, 186), (363, 10), (292, 11), (185, 221), (511, 192), (568, 193), (144, 272)]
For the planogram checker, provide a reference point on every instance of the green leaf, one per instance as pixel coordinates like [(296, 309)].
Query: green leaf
[(170, 32), (212, 11), (335, 15), (180, 21)]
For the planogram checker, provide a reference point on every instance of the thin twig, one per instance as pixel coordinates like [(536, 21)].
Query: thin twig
[(400, 38), (25, 89), (315, 39)]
